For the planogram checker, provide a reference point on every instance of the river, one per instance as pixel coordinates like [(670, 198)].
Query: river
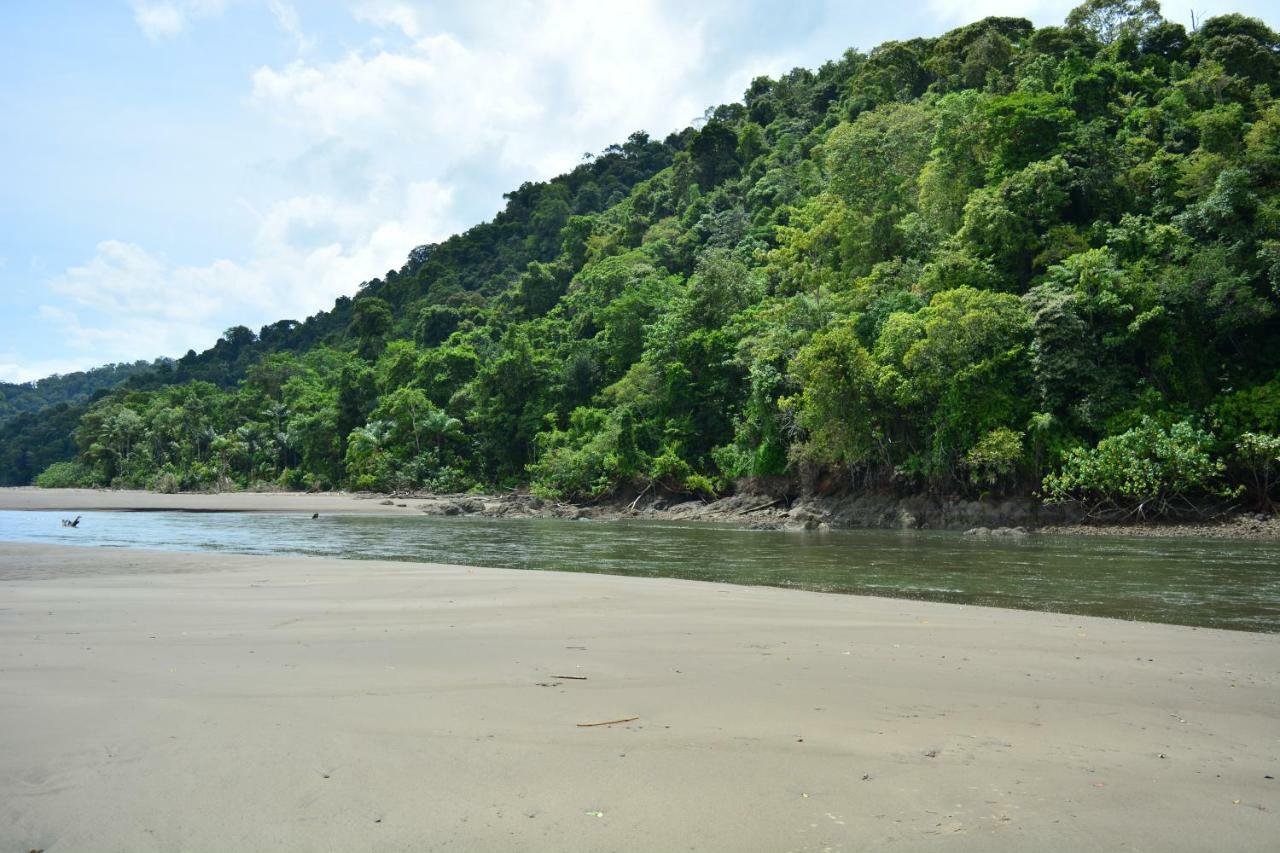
[(1203, 582)]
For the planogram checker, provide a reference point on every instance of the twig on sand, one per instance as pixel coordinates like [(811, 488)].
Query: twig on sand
[(574, 677), (607, 722)]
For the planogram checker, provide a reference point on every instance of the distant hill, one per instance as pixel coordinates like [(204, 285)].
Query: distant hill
[(17, 398)]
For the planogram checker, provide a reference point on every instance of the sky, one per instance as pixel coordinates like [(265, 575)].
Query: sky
[(170, 168)]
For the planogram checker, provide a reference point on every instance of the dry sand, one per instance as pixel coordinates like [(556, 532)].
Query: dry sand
[(163, 702)]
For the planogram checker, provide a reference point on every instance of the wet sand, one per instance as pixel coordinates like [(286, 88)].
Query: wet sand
[(152, 702)]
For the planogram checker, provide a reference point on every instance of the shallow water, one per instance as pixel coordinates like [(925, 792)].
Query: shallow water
[(1206, 582)]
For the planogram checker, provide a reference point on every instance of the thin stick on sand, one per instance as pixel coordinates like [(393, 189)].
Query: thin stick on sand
[(607, 722)]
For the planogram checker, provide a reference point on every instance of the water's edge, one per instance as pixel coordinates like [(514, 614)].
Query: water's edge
[(754, 510)]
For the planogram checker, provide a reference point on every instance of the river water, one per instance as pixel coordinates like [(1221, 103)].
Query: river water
[(1205, 582)]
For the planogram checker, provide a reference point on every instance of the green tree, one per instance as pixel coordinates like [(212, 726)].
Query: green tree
[(1110, 19), (714, 151), (371, 320)]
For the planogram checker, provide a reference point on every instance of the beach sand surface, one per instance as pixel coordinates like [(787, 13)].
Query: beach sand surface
[(69, 500), (155, 701)]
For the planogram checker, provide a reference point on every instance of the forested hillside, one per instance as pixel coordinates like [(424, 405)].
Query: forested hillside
[(1003, 260), (37, 419), (19, 397)]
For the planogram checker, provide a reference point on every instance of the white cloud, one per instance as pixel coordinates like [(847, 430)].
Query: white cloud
[(534, 85), (390, 13), (161, 19), (158, 20), (286, 16), (126, 303)]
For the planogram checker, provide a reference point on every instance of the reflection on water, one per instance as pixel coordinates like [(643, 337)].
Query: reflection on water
[(1223, 584)]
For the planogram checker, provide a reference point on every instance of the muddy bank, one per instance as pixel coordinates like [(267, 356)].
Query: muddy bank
[(768, 512), (1247, 525), (1005, 517)]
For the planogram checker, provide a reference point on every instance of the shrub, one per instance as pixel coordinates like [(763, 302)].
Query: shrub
[(1255, 409), (587, 470), (668, 469), (202, 476), (994, 457), (65, 475), (166, 483), (700, 485), (293, 479), (1149, 470), (585, 461), (1259, 454), (449, 480)]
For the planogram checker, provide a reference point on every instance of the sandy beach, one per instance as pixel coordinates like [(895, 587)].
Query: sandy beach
[(29, 498), (156, 701)]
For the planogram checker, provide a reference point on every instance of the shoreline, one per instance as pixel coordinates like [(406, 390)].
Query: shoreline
[(1010, 517), (133, 500), (360, 706)]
